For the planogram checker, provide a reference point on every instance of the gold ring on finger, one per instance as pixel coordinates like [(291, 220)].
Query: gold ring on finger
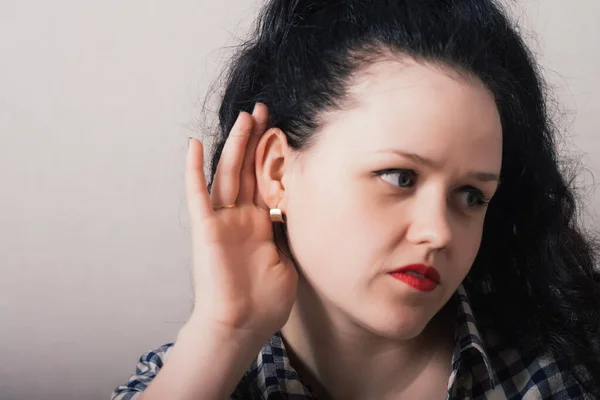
[(220, 207)]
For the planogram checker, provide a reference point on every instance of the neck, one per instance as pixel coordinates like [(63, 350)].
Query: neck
[(342, 360)]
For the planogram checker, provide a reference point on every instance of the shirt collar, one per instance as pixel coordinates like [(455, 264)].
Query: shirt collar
[(468, 336), (272, 372)]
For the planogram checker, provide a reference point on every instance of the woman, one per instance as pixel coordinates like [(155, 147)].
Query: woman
[(393, 225)]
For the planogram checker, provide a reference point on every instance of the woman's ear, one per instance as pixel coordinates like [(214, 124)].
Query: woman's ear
[(272, 157)]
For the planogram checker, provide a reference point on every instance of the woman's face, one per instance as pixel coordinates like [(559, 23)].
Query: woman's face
[(397, 179)]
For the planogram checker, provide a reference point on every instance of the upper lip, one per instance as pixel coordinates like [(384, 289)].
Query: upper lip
[(428, 272)]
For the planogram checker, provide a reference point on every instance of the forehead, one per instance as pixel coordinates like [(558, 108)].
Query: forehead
[(418, 107)]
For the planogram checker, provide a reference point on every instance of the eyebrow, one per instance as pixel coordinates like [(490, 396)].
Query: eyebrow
[(480, 176)]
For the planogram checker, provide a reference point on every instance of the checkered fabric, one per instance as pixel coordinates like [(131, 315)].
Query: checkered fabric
[(482, 368)]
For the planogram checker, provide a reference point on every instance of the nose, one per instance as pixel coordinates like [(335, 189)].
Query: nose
[(429, 221)]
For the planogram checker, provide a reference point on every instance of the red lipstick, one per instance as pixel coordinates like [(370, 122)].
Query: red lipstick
[(418, 276)]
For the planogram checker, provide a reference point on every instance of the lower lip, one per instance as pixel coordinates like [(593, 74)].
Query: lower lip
[(421, 284)]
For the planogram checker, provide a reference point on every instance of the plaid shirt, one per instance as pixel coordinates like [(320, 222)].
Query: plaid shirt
[(482, 368)]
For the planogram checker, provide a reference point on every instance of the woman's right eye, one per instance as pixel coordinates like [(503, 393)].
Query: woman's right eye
[(403, 178)]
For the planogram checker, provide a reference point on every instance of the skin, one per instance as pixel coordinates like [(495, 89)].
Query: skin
[(355, 332)]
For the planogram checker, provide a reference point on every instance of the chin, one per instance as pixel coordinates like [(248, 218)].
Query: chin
[(402, 323)]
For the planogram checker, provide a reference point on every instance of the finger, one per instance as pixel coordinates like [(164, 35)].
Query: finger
[(226, 183), (198, 199), (248, 174)]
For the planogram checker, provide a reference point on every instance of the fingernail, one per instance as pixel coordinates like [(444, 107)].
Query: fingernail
[(254, 108), (189, 140)]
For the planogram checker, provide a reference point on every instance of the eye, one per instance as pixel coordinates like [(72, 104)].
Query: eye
[(473, 198), (399, 177)]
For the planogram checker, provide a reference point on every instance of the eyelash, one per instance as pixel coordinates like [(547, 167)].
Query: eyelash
[(481, 201)]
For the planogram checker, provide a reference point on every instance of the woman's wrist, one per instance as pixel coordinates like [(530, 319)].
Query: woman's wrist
[(216, 340), (199, 326), (219, 356)]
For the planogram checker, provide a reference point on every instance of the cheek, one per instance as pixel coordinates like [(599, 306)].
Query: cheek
[(467, 239), (331, 231)]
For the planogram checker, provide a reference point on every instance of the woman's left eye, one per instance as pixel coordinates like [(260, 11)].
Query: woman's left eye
[(399, 177), (474, 198)]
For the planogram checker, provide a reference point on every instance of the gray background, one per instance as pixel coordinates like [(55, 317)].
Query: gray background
[(97, 100)]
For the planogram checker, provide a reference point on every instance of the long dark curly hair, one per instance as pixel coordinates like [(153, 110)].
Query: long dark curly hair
[(535, 277)]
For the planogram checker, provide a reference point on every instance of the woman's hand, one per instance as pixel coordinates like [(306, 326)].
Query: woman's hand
[(240, 283)]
